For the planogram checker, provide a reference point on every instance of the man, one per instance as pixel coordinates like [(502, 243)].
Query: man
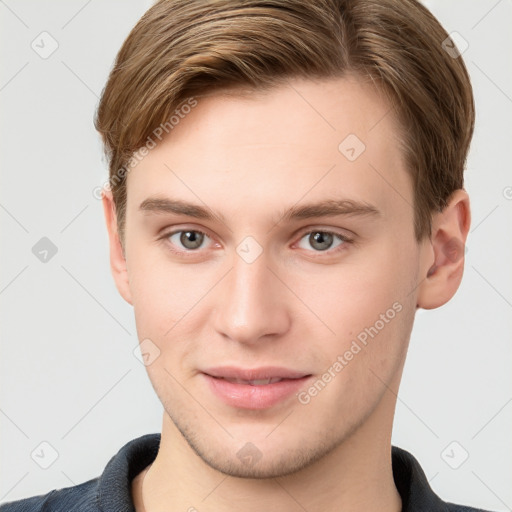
[(286, 190)]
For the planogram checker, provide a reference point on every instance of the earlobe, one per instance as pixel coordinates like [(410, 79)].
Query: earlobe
[(118, 265), (443, 258)]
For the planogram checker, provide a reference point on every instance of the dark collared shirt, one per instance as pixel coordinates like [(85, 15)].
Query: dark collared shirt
[(111, 492)]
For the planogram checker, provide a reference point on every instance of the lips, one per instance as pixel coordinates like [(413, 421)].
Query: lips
[(258, 388)]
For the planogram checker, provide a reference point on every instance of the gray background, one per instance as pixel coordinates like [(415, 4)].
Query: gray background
[(69, 376)]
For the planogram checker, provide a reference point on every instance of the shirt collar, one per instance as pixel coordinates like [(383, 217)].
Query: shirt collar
[(412, 484)]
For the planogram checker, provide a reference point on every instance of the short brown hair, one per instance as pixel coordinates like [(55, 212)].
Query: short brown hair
[(182, 48)]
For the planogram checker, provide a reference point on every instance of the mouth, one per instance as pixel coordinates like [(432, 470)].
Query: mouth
[(259, 388), (263, 373), (255, 382)]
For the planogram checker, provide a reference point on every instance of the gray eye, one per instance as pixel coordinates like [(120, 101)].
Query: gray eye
[(189, 239), (321, 240)]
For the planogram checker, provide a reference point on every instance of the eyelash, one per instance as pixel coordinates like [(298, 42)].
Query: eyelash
[(192, 252)]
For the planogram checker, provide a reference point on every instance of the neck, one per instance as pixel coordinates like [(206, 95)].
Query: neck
[(355, 476)]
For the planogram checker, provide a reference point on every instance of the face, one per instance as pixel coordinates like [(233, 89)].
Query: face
[(269, 237)]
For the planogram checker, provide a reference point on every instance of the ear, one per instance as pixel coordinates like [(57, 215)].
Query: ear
[(443, 255), (117, 258)]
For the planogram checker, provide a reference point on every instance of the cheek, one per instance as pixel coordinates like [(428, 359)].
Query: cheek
[(169, 307), (162, 291), (367, 303), (371, 333), (159, 298), (347, 297)]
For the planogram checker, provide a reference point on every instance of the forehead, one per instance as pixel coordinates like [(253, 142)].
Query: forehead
[(333, 138), (322, 111)]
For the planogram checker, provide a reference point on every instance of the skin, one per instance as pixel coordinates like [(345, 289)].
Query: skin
[(249, 157)]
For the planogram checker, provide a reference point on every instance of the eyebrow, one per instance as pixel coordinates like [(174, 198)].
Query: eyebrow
[(325, 208), (164, 205)]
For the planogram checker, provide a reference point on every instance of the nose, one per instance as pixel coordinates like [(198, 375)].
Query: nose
[(252, 303)]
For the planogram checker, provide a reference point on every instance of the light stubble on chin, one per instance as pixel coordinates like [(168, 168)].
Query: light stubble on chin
[(314, 447)]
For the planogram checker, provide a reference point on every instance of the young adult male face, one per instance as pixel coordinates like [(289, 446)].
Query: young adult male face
[(276, 299)]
